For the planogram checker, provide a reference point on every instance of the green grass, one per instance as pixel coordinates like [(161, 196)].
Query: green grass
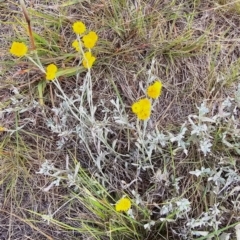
[(191, 46)]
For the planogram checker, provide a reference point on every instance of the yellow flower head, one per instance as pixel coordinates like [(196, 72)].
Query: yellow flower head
[(144, 115), (18, 49), (136, 108), (2, 129), (79, 27), (154, 90), (76, 45), (51, 72), (123, 205), (142, 108), (88, 60), (90, 39)]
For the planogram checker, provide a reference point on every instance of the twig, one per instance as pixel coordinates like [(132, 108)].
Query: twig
[(24, 9)]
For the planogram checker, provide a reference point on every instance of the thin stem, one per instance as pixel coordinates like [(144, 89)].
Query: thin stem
[(38, 61), (87, 85), (39, 66), (25, 13), (56, 83)]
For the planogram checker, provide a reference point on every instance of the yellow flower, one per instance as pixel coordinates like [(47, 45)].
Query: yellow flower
[(142, 108), (79, 27), (88, 60), (51, 72), (154, 90), (2, 129), (18, 49), (123, 205), (90, 39), (76, 45), (136, 107), (144, 115)]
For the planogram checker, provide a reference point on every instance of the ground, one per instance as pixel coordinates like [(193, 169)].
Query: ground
[(71, 148)]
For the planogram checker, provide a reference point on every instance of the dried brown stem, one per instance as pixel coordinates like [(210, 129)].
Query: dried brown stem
[(24, 9)]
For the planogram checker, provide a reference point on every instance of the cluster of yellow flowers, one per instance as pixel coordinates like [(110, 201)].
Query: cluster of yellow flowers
[(20, 49), (88, 41), (142, 108)]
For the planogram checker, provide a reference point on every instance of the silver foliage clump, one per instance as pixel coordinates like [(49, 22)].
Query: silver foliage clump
[(199, 130), (178, 208), (205, 220), (58, 175)]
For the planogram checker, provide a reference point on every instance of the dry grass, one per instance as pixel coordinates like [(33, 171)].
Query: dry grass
[(195, 47)]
